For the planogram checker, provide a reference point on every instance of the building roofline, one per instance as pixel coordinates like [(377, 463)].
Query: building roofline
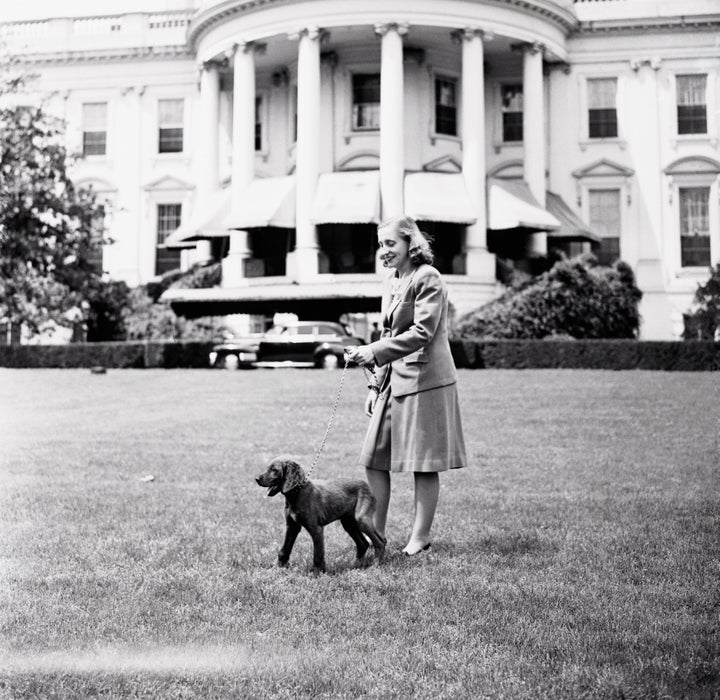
[(204, 20)]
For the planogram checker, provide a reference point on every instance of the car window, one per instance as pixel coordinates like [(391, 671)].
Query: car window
[(327, 330), (303, 330)]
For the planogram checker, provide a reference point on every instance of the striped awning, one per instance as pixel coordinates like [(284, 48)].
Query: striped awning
[(438, 197), (351, 197), (511, 205), (268, 201), (572, 227), (207, 222)]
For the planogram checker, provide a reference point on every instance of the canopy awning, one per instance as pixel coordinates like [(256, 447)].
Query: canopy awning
[(351, 197), (572, 227), (511, 205), (267, 201), (438, 197), (207, 222), (324, 299)]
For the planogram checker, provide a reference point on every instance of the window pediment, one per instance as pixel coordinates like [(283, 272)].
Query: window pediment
[(444, 164), (168, 183), (693, 165), (603, 168), (509, 170)]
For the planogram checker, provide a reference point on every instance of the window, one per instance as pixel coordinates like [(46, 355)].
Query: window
[(366, 101), (604, 218), (691, 104), (602, 112), (512, 112), (258, 124), (168, 219), (170, 123), (94, 126), (695, 226), (445, 106)]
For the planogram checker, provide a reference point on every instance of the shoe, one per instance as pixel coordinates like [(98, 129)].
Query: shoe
[(422, 549)]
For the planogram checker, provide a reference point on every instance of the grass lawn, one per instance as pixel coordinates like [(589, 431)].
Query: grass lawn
[(579, 556)]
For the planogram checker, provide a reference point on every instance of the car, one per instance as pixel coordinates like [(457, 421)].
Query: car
[(299, 344)]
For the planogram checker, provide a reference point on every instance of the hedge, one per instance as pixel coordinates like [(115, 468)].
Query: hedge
[(586, 354), (138, 354), (472, 354)]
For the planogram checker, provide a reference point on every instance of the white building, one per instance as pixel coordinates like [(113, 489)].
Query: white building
[(277, 133)]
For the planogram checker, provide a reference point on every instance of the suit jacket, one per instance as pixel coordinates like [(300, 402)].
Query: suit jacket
[(414, 346)]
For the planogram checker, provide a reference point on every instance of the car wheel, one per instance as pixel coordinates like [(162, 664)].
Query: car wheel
[(231, 362), (329, 361)]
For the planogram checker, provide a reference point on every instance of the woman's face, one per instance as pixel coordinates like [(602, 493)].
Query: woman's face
[(393, 249)]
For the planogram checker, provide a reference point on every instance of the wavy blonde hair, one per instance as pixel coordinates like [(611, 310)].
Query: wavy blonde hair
[(418, 241)]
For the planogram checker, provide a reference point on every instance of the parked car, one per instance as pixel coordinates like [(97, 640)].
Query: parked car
[(299, 344)]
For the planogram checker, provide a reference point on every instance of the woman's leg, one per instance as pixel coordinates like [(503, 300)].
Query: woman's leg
[(380, 486), (427, 490)]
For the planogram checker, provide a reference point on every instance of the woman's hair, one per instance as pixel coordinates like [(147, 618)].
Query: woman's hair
[(418, 241)]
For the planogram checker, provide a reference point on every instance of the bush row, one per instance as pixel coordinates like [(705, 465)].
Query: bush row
[(473, 354), (586, 354), (139, 354)]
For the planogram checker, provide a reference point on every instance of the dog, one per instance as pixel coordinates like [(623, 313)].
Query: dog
[(313, 505)]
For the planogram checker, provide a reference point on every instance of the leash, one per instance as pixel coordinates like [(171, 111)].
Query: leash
[(332, 418)]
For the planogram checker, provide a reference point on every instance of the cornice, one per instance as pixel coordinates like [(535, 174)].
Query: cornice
[(206, 19), (664, 24), (105, 55)]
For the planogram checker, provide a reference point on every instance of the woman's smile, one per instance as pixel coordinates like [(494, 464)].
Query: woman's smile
[(393, 249)]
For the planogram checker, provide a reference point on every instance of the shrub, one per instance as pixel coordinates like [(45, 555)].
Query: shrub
[(146, 319), (704, 322), (575, 298)]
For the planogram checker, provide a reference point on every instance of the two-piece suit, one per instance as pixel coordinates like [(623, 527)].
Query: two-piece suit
[(414, 344), (416, 425)]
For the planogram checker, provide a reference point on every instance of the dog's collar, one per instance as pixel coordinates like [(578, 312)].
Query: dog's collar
[(304, 482)]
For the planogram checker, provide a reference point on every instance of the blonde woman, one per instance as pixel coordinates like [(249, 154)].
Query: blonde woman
[(415, 423)]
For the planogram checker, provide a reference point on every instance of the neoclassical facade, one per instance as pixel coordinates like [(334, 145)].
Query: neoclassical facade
[(273, 136)]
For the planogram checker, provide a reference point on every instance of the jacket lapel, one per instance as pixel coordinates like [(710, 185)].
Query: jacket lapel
[(395, 301)]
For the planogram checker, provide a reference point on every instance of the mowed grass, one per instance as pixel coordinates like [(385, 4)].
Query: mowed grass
[(578, 557)]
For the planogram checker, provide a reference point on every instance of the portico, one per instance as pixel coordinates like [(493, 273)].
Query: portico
[(405, 55)]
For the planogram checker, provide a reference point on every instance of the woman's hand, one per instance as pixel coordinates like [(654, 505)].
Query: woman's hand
[(370, 402), (361, 354)]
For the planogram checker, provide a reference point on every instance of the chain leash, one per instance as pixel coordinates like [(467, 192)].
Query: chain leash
[(332, 415), (330, 422)]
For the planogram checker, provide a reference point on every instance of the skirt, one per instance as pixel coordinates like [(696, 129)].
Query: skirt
[(415, 433)]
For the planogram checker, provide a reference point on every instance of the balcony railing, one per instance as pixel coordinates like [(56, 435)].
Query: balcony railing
[(96, 33)]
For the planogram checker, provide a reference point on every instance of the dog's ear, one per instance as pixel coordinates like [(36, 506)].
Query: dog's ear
[(293, 476)]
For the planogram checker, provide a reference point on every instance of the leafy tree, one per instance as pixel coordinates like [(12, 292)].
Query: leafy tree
[(704, 322), (574, 298), (50, 230)]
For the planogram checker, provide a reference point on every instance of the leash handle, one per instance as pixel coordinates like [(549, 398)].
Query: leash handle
[(330, 422)]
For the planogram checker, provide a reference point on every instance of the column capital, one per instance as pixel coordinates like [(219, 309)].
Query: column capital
[(531, 47), (381, 29), (313, 33), (254, 47), (210, 65), (470, 33)]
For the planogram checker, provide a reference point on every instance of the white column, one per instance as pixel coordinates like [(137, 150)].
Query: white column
[(534, 157), (307, 153), (243, 154), (643, 132), (206, 162), (392, 162), (478, 261)]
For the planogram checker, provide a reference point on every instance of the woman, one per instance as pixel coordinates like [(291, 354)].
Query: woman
[(413, 404)]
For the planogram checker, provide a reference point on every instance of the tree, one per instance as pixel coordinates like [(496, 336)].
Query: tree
[(704, 322), (50, 230), (575, 297)]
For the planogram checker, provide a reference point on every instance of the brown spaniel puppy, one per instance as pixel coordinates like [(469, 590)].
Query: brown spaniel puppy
[(313, 505)]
